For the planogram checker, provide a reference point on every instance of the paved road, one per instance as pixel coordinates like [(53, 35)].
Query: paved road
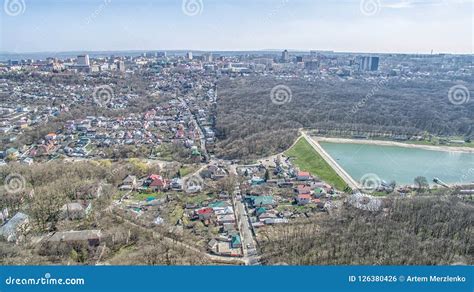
[(249, 246), (339, 170), (248, 243), (198, 128)]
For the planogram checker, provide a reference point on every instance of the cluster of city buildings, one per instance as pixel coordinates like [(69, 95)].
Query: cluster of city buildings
[(31, 98)]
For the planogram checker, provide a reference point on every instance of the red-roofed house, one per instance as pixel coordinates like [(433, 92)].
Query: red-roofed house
[(156, 182), (303, 175), (302, 189), (204, 213), (303, 199), (50, 136)]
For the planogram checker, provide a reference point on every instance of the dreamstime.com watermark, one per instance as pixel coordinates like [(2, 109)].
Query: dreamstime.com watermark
[(276, 9), (14, 7), (459, 95), (192, 7), (97, 12), (14, 183), (45, 280), (466, 176), (281, 94), (370, 7), (103, 95), (370, 182), (369, 95)]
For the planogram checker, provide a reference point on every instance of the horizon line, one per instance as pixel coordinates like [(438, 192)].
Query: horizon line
[(229, 50)]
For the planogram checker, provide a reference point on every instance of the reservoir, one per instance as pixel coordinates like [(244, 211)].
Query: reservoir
[(401, 164)]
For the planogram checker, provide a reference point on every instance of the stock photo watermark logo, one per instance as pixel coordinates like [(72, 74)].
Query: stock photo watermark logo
[(192, 7), (281, 94), (14, 7), (193, 184), (369, 95), (370, 182), (43, 280), (370, 7), (103, 95), (97, 12), (467, 176), (14, 183), (276, 9), (459, 95)]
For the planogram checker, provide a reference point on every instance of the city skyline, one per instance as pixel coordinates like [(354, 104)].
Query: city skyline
[(407, 26)]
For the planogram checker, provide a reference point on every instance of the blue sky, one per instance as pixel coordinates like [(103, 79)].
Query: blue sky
[(406, 26)]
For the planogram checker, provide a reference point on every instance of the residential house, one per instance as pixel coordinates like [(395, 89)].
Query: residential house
[(224, 210), (176, 183), (235, 241), (27, 161), (303, 199), (155, 182), (267, 215), (261, 201), (50, 136), (285, 184), (221, 219), (303, 189), (318, 192), (228, 228), (73, 211), (11, 231), (90, 237), (256, 180), (258, 224), (260, 210), (303, 176), (129, 183), (217, 172), (271, 221), (219, 205), (224, 195), (204, 213), (212, 245)]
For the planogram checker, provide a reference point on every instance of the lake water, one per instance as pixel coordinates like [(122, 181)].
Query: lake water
[(402, 164)]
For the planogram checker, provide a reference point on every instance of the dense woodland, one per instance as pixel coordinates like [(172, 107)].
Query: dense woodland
[(428, 230), (250, 125)]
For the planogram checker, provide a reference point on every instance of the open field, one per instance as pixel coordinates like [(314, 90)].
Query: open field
[(306, 158)]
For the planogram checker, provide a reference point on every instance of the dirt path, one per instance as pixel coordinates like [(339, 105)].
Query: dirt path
[(213, 258)]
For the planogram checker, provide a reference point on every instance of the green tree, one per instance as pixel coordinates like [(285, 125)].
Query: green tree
[(267, 175), (421, 183)]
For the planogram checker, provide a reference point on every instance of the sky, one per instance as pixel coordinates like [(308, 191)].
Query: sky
[(372, 26)]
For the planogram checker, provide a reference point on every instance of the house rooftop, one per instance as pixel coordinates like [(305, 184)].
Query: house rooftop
[(75, 235), (303, 173), (262, 200), (10, 228)]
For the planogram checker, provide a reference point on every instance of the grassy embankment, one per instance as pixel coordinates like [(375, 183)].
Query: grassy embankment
[(307, 159)]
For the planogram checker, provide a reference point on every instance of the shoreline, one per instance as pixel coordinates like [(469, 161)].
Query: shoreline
[(460, 149), (335, 165), (340, 171)]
